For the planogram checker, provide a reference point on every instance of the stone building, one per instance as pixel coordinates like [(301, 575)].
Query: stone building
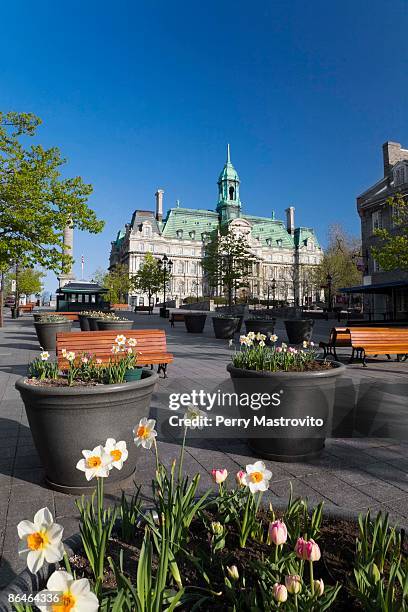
[(285, 254), (386, 293)]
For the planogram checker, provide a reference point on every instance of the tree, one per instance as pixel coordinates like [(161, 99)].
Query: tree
[(117, 282), (227, 263), (28, 281), (392, 250), (340, 260), (35, 202), (149, 278)]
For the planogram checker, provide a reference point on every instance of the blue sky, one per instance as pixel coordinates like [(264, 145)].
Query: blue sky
[(141, 95)]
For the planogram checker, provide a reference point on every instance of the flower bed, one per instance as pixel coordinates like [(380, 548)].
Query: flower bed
[(220, 552)]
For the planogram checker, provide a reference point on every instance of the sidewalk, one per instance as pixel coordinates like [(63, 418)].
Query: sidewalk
[(354, 474)]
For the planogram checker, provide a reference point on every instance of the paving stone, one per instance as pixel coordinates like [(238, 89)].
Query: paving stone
[(382, 491)]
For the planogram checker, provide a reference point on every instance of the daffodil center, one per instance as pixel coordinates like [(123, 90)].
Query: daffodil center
[(143, 432), (256, 476), (93, 462), (116, 454), (37, 540), (65, 604)]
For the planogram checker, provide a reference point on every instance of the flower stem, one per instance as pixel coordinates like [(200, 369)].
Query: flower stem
[(311, 577), (180, 470)]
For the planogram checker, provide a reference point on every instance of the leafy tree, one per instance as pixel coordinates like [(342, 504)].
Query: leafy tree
[(149, 278), (392, 250), (227, 263), (340, 260), (117, 281), (28, 281), (36, 203)]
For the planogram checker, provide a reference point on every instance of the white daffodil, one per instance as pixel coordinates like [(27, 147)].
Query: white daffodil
[(117, 451), (260, 337), (257, 477), (251, 335), (76, 595), (305, 344), (64, 352), (95, 463), (145, 433), (70, 356), (115, 349), (195, 416), (132, 342), (273, 337), (121, 339), (44, 356), (41, 540)]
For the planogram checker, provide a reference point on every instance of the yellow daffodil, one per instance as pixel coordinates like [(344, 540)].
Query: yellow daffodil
[(257, 477), (117, 451), (41, 540), (75, 595), (96, 462), (145, 433)]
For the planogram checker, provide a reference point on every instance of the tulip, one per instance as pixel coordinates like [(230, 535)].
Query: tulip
[(318, 587), (240, 478), (278, 533), (233, 572), (308, 550), (219, 475), (293, 584), (280, 593), (217, 528)]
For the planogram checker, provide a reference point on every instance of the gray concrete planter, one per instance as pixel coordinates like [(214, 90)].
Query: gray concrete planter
[(106, 325), (66, 420), (195, 322), (225, 327), (47, 333), (301, 395), (299, 330)]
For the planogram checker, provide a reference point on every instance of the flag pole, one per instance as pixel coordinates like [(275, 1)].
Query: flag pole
[(82, 267)]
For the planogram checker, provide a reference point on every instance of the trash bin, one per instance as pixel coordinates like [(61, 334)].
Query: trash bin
[(164, 312)]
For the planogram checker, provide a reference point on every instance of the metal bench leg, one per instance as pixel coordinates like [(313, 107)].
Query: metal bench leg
[(334, 353), (352, 355), (162, 367), (364, 358), (389, 356)]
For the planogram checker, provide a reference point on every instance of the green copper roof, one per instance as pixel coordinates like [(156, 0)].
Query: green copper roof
[(270, 232), (228, 172), (189, 223)]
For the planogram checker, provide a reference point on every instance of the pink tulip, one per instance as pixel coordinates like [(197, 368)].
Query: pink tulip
[(240, 478), (307, 550), (293, 584), (280, 592), (318, 587), (219, 475), (278, 534)]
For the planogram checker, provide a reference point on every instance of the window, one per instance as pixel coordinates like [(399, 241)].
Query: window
[(376, 220), (72, 297), (80, 298), (192, 234), (146, 230), (93, 298), (279, 243), (179, 233), (231, 193)]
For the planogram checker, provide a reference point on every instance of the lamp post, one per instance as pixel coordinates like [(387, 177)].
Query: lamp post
[(329, 279), (165, 265)]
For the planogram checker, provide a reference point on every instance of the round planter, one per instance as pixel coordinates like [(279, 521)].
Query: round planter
[(195, 323), (47, 333), (92, 322), (225, 327), (84, 322), (66, 420), (37, 316), (105, 325), (299, 330), (134, 374), (299, 396), (261, 326)]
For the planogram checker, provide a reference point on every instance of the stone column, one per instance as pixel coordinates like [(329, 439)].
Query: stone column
[(68, 249)]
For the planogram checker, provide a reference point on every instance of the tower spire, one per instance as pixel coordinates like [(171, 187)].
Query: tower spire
[(228, 154)]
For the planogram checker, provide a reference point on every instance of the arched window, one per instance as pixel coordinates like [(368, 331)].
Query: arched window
[(231, 193)]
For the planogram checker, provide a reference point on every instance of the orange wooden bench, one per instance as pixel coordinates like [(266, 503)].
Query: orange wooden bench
[(176, 316), (379, 341), (27, 307), (119, 306), (151, 346), (339, 336)]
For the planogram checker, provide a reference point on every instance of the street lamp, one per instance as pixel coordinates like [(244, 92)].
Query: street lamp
[(329, 279), (273, 287), (165, 265)]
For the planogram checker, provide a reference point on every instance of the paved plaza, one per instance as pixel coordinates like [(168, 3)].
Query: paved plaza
[(351, 474)]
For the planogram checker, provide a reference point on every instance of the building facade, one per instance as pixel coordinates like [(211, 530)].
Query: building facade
[(386, 292), (285, 255)]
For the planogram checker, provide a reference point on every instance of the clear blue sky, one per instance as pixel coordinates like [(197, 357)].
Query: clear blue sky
[(140, 95)]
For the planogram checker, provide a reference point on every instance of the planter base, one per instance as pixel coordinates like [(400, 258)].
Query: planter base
[(265, 451), (87, 490)]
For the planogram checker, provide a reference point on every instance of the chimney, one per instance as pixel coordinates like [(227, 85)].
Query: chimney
[(290, 220), (391, 155), (159, 204)]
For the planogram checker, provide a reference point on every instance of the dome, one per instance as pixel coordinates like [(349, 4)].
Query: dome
[(228, 173)]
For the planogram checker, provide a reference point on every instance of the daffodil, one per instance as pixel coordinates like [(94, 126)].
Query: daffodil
[(44, 356), (96, 462), (195, 417), (257, 477), (41, 540), (117, 451), (273, 337), (70, 356), (115, 349), (145, 433), (75, 595), (120, 339), (132, 342)]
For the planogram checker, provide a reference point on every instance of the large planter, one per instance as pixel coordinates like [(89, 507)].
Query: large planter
[(84, 322), (93, 323), (66, 420), (299, 330), (47, 333), (106, 325), (225, 327), (262, 326), (305, 399), (195, 323)]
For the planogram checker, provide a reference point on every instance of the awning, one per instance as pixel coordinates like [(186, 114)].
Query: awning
[(384, 288)]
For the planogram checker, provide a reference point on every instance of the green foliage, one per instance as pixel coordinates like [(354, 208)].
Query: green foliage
[(149, 278), (392, 250), (340, 260), (35, 202), (227, 263), (255, 355), (28, 280), (116, 281)]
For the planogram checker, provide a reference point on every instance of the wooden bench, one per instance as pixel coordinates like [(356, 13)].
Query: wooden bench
[(119, 306), (27, 307), (72, 316), (176, 316), (339, 336), (151, 346), (379, 341), (144, 309)]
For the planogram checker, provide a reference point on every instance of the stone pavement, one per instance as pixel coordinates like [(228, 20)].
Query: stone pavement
[(352, 473)]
